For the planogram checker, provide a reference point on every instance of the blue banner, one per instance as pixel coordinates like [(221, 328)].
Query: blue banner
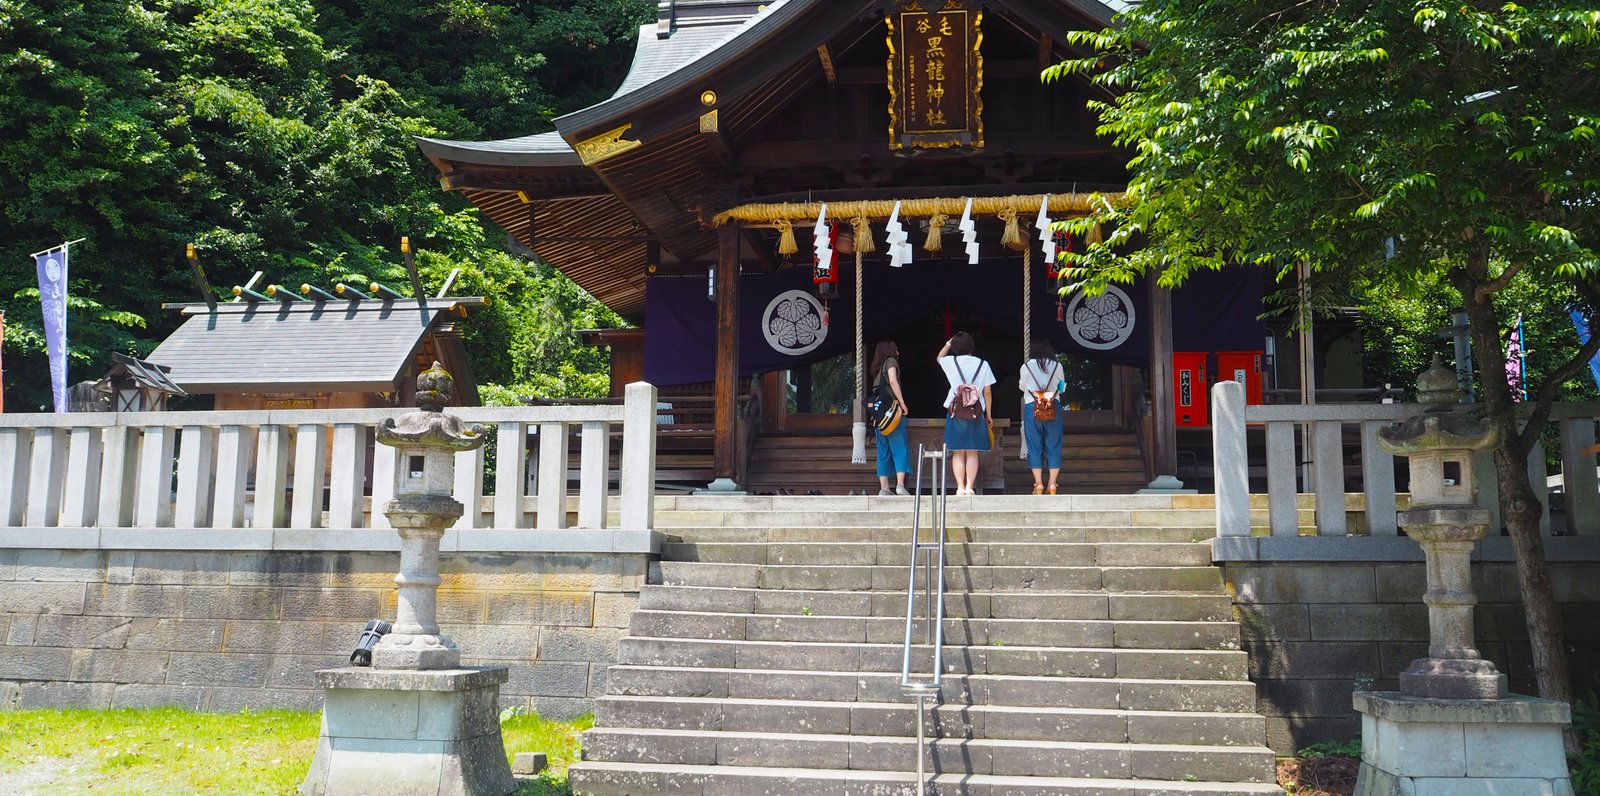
[(1581, 323), (52, 268)]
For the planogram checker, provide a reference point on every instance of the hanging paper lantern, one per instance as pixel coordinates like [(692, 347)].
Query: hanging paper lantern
[(824, 276)]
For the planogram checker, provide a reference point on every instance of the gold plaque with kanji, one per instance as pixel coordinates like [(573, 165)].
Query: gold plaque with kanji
[(935, 76)]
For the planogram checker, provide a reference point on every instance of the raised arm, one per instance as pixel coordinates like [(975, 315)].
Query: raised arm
[(943, 352)]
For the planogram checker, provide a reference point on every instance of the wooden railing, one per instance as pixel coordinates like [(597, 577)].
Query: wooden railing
[(1319, 464), (314, 468)]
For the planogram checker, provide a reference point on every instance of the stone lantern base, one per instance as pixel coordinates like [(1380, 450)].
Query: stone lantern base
[(410, 733), (1440, 747)]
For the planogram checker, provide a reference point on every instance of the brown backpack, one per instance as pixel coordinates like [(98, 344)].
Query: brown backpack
[(1044, 408), (968, 402)]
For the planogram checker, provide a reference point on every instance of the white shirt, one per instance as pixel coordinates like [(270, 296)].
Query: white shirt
[(978, 374), (1031, 378)]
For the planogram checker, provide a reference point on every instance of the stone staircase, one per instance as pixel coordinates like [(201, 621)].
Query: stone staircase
[(1090, 650)]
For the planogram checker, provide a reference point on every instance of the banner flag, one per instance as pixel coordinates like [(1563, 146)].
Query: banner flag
[(1515, 362), (52, 268), (2, 367), (1581, 324)]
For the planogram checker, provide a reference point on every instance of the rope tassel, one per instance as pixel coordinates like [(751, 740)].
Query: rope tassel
[(1012, 238), (862, 231), (935, 241), (1024, 416), (786, 242)]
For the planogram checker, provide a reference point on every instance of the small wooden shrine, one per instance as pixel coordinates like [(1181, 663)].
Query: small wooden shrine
[(314, 349)]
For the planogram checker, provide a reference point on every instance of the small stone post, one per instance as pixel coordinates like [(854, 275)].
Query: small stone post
[(417, 723), (1452, 728)]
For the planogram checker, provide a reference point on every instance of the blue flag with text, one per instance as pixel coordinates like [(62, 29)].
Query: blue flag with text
[(52, 267)]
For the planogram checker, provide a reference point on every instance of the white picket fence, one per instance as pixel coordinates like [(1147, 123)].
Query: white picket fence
[(311, 469), (1324, 456)]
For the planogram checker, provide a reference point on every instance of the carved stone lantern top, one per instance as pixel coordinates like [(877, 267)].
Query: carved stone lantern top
[(429, 426), (1443, 425)]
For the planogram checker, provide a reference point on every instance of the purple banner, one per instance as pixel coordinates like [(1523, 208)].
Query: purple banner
[(52, 268), (781, 321)]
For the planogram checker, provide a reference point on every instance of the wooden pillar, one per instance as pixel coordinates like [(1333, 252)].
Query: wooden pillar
[(725, 464), (1164, 442)]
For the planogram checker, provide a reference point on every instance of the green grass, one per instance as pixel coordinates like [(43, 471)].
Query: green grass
[(173, 751)]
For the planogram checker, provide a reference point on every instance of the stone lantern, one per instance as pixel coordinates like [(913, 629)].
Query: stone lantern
[(417, 723), (1445, 521), (421, 511), (1452, 728)]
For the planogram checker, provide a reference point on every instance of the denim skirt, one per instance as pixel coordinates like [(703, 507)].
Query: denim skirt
[(966, 435)]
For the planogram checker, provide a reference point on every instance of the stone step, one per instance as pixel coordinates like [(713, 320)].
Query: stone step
[(1204, 580), (973, 553), (1031, 757), (999, 605), (631, 779), (1136, 697), (1227, 666), (953, 503), (1001, 514), (1093, 633), (900, 533)]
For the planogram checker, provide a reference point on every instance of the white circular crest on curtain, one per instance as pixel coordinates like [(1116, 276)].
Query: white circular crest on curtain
[(792, 323), (52, 269), (1101, 322)]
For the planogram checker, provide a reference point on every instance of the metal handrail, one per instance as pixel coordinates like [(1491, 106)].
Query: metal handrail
[(932, 554)]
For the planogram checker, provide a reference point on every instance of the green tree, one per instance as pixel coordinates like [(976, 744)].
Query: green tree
[(277, 135), (1459, 137)]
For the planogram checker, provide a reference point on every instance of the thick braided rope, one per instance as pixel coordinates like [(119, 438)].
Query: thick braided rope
[(1027, 329), (879, 209), (858, 429)]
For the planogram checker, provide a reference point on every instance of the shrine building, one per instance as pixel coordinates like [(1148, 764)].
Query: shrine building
[(746, 135)]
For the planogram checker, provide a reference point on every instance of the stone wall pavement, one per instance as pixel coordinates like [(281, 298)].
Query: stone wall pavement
[(1316, 631), (218, 630)]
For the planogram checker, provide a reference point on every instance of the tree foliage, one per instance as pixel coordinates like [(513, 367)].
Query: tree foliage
[(277, 136), (1417, 143)]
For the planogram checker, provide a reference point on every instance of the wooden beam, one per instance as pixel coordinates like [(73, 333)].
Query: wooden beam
[(764, 251), (726, 389), (876, 74), (832, 152), (933, 192), (1164, 442), (826, 57)]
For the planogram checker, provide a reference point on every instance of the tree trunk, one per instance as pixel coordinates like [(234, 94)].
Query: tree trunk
[(1520, 506)]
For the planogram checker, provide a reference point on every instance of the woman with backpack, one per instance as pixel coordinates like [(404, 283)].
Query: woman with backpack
[(969, 419), (894, 459), (1041, 381)]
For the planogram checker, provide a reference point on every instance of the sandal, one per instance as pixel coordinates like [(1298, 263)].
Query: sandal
[(1052, 489), (1038, 489)]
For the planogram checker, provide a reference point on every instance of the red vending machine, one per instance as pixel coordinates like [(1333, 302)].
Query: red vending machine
[(1189, 388), (1246, 368)]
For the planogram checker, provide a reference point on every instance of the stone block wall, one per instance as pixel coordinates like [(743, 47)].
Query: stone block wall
[(221, 630), (1317, 631)]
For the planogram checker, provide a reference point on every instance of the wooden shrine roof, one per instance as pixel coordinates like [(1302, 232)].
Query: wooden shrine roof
[(633, 181), (341, 346)]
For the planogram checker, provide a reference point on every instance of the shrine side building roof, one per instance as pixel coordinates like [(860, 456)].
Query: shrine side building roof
[(304, 346)]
